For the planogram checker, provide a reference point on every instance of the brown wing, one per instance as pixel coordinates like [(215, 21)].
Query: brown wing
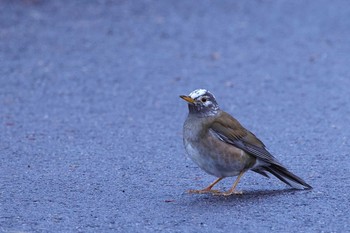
[(229, 130)]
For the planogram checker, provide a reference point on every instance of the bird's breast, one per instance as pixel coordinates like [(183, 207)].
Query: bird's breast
[(213, 155)]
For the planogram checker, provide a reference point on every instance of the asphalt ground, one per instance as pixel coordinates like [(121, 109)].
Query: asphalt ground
[(91, 122)]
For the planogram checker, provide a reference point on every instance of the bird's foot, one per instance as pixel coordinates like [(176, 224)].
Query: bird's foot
[(229, 193), (203, 191)]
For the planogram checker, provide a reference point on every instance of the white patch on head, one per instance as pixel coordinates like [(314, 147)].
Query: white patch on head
[(196, 93)]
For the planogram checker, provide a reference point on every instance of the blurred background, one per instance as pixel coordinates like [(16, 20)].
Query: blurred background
[(91, 122)]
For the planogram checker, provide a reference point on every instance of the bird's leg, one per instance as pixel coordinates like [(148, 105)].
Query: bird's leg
[(232, 190), (207, 189)]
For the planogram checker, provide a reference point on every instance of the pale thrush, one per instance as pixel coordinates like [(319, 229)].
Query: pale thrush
[(222, 147)]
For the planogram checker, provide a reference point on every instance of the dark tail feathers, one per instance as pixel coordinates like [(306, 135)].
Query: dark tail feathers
[(284, 175)]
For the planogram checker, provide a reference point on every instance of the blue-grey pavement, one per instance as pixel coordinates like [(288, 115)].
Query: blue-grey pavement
[(91, 122)]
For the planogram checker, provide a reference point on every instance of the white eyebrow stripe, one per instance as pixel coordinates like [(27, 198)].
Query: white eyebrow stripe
[(196, 93)]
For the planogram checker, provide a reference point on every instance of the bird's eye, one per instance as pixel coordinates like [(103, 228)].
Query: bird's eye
[(204, 100)]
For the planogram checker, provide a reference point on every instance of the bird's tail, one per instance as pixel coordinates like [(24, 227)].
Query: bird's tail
[(285, 176)]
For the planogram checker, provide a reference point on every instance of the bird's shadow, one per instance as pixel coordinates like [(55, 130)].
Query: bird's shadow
[(246, 196)]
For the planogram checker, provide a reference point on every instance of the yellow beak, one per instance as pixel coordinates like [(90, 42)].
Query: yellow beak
[(187, 98)]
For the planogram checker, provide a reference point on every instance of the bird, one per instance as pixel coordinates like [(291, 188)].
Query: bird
[(222, 147)]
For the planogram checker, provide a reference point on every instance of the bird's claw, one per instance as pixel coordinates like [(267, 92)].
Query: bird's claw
[(228, 193), (203, 191)]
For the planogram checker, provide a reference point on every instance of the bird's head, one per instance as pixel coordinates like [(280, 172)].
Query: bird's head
[(201, 102)]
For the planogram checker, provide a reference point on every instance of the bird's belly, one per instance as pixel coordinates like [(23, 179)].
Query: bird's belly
[(216, 162)]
